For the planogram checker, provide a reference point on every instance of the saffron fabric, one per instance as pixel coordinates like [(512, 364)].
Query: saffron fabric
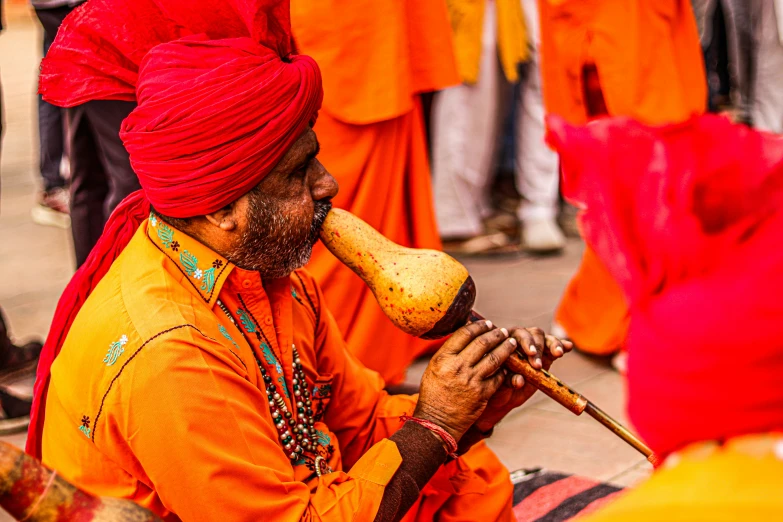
[(157, 397), (739, 480), (376, 57), (467, 22), (686, 217), (649, 67), (213, 118)]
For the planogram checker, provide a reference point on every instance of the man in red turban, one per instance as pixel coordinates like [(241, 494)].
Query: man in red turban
[(688, 220), (192, 367)]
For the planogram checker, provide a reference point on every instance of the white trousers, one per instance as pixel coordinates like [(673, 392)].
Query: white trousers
[(768, 82), (466, 122)]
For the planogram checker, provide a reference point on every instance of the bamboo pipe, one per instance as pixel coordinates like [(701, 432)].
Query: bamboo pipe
[(429, 294), (32, 492)]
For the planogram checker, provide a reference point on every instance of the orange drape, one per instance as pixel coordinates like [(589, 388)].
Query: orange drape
[(375, 57), (650, 67)]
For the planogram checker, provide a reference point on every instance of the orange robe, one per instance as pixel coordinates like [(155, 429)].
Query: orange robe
[(375, 57), (741, 480), (650, 67), (157, 397)]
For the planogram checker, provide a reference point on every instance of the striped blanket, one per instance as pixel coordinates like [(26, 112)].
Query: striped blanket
[(546, 496)]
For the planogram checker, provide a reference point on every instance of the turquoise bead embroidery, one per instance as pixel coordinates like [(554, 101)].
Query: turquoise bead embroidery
[(227, 335), (270, 358), (246, 322), (190, 264), (116, 349), (165, 234), (323, 438)]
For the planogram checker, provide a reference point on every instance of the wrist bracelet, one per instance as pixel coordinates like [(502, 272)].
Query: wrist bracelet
[(448, 440)]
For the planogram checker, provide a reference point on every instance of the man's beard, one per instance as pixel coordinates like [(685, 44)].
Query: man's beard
[(276, 244)]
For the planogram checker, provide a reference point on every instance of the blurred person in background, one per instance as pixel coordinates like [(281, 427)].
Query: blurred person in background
[(615, 58), (15, 361), (767, 97), (376, 59), (54, 200), (688, 219), (725, 32), (101, 174), (491, 42)]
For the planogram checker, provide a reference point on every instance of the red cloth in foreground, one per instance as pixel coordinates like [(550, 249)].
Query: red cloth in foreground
[(214, 118), (689, 220)]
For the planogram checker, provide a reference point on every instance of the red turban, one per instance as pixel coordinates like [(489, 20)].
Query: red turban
[(689, 219), (213, 119)]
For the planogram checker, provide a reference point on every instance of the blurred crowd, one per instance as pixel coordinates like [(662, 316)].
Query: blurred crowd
[(495, 185)]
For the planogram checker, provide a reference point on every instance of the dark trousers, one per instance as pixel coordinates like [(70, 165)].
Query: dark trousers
[(50, 117), (101, 175)]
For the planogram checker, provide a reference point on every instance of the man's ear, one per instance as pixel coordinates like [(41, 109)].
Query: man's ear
[(225, 218)]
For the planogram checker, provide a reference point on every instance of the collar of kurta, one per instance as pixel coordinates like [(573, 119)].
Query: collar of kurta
[(204, 271)]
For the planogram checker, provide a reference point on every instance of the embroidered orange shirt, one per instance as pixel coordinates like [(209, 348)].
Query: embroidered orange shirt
[(157, 396)]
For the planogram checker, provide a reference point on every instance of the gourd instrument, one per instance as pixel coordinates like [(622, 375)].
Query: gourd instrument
[(429, 294)]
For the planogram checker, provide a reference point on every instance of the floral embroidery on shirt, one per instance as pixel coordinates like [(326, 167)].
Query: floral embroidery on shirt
[(116, 349), (175, 246), (166, 234), (293, 293), (322, 438), (190, 264), (85, 427), (270, 358), (153, 220), (227, 335), (247, 323), (217, 263)]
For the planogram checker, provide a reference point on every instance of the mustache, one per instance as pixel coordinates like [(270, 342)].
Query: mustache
[(320, 211)]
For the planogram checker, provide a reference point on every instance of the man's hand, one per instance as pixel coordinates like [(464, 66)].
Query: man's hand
[(541, 350), (463, 375)]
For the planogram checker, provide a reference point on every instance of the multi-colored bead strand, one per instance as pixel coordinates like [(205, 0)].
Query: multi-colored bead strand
[(296, 433)]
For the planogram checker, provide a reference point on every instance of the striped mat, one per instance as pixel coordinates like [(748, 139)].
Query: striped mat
[(546, 496)]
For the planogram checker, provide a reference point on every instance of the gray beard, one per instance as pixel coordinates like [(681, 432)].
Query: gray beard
[(274, 244)]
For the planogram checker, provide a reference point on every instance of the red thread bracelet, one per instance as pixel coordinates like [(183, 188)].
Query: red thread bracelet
[(448, 440)]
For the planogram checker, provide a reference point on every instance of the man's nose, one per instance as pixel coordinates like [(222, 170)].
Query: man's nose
[(324, 186)]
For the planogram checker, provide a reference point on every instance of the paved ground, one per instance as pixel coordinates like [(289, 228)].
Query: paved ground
[(36, 263)]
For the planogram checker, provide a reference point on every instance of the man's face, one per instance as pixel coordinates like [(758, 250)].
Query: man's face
[(280, 220)]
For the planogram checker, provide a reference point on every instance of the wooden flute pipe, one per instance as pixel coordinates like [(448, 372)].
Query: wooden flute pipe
[(32, 492), (429, 294)]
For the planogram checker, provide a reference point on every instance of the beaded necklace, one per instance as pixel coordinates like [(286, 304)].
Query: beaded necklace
[(297, 433)]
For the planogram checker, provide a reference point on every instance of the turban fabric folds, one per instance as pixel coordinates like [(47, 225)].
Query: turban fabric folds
[(689, 220), (214, 117)]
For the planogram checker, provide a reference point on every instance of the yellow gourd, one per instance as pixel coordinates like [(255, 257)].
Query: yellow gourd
[(425, 293)]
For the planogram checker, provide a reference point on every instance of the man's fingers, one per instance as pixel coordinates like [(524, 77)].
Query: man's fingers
[(515, 381), (527, 343), (492, 362), (462, 337), (483, 344), (555, 346)]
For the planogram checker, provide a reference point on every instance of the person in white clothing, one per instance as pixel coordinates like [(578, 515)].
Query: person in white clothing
[(466, 124)]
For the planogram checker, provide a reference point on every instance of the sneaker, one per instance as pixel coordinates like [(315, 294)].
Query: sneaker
[(542, 236), (52, 208)]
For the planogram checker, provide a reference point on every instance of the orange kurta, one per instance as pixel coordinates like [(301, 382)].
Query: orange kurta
[(157, 397), (741, 480), (375, 57), (650, 67)]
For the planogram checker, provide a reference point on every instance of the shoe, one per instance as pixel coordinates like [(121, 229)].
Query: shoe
[(16, 401), (489, 244), (16, 361), (542, 236), (53, 208)]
